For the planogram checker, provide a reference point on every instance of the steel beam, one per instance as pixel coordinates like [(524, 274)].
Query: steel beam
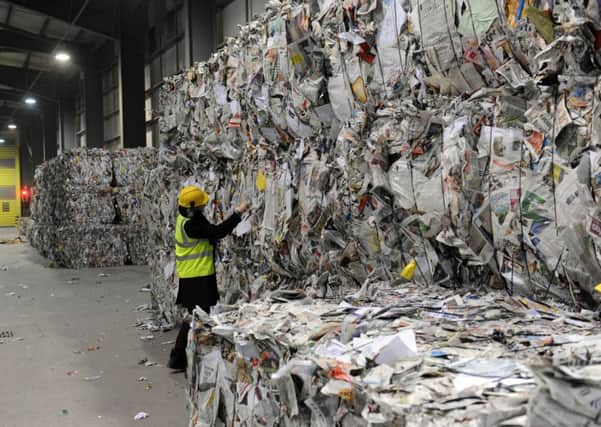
[(28, 42), (98, 15), (21, 81)]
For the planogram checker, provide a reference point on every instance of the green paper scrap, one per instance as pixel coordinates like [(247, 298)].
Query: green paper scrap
[(541, 22), (477, 18)]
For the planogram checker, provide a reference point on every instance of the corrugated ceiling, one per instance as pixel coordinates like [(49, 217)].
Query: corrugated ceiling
[(12, 59), (26, 20), (35, 23)]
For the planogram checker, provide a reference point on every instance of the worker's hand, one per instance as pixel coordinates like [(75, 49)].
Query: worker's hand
[(243, 207)]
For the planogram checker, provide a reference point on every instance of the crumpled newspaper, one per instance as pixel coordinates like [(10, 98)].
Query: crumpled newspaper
[(566, 397), (408, 356), (460, 135)]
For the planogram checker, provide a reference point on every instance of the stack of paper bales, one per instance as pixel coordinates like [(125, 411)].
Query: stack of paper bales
[(459, 138), (85, 214), (132, 169), (370, 135)]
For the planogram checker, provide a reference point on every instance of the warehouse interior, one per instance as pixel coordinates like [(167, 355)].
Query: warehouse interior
[(300, 212), (96, 98)]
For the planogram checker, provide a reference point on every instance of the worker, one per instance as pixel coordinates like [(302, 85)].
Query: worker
[(195, 242)]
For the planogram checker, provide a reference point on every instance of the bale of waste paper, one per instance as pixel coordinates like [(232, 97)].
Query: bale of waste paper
[(132, 166), (24, 225), (89, 245), (136, 241), (83, 167), (477, 162), (78, 196), (84, 204), (128, 205)]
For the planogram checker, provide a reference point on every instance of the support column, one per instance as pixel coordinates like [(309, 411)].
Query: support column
[(133, 38), (201, 28), (67, 124), (93, 106), (49, 136), (26, 154)]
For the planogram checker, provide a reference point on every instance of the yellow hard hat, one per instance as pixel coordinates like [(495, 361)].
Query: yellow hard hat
[(192, 197)]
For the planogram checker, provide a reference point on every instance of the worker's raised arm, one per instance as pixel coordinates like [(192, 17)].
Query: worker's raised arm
[(200, 228)]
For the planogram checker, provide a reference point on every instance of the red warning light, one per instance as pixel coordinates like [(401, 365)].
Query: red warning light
[(25, 194)]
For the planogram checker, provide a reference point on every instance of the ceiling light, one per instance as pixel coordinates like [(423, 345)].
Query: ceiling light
[(12, 126), (30, 101), (2, 141), (62, 57)]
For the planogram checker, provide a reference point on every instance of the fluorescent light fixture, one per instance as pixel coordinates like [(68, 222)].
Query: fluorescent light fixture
[(62, 57), (2, 141), (30, 101), (12, 126)]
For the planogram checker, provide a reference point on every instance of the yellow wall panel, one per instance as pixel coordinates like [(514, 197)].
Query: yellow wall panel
[(10, 186)]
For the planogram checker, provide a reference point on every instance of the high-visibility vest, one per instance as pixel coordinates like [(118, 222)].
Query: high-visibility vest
[(193, 257)]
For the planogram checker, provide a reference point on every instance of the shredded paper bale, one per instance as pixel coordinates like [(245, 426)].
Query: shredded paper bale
[(84, 216), (136, 241), (92, 246), (128, 205), (131, 167), (83, 167), (24, 225), (79, 203)]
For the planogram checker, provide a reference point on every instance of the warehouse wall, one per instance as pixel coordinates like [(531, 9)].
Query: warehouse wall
[(116, 99), (179, 33), (20, 137), (36, 143), (237, 13), (89, 108), (234, 14), (112, 100), (201, 28), (97, 104), (29, 158), (109, 107), (257, 7), (66, 131), (134, 26), (38, 136)]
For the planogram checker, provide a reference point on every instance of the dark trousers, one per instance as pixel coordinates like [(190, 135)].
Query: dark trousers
[(196, 291)]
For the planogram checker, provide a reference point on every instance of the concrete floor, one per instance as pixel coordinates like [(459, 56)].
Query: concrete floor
[(43, 376)]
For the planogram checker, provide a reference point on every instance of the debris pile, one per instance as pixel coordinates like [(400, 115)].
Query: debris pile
[(460, 135), (86, 211), (160, 207), (407, 356), (131, 169), (458, 139)]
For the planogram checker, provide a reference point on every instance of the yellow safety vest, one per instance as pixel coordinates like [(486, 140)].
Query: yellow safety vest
[(193, 257)]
